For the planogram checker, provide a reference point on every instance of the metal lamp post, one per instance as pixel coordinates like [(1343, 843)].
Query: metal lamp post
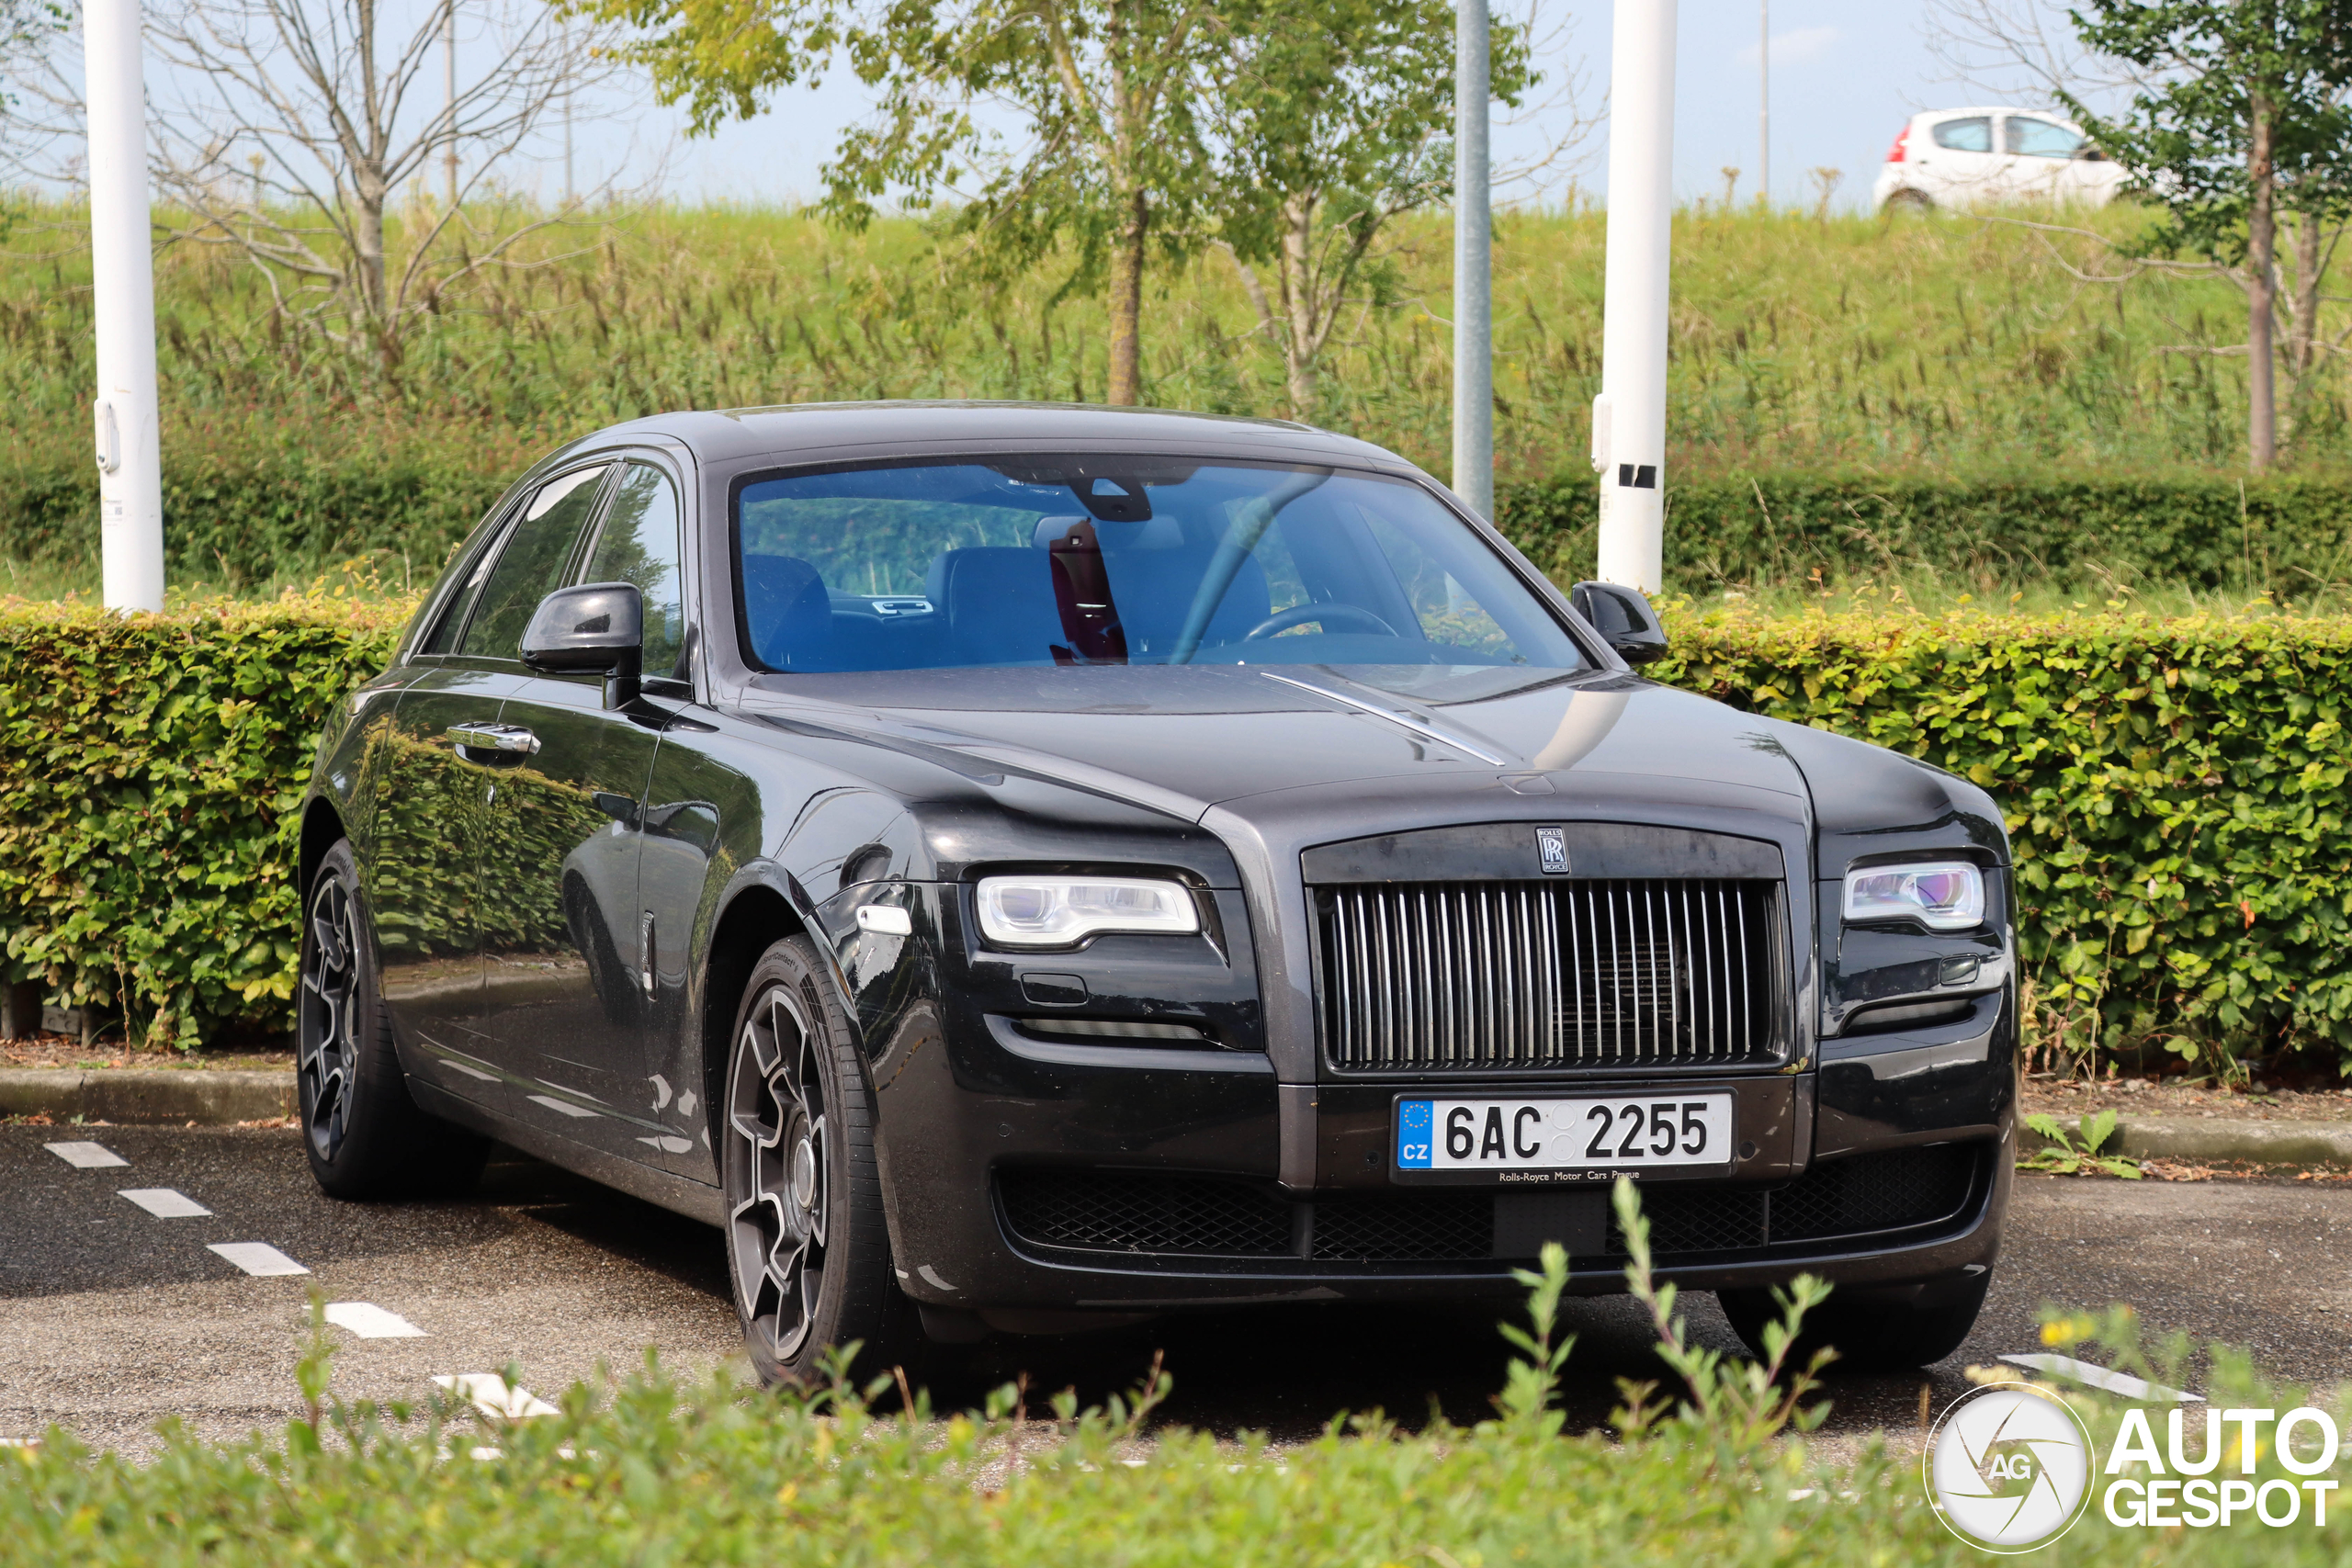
[(131, 464), (1473, 344), (1629, 416)]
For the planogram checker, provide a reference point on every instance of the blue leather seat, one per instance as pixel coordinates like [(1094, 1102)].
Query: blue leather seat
[(998, 605), (788, 613)]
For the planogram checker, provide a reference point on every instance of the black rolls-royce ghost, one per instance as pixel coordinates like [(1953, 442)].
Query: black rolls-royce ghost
[(1012, 868)]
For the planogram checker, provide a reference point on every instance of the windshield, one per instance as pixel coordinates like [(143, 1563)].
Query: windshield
[(1045, 562)]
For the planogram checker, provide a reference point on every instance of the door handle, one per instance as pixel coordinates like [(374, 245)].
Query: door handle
[(506, 740)]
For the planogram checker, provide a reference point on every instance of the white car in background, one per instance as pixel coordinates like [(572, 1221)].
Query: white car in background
[(1982, 157)]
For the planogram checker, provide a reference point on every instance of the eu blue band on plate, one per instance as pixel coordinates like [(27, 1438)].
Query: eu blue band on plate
[(1414, 1127)]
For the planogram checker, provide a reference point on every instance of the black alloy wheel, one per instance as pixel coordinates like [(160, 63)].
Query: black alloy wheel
[(808, 1249), (365, 1135), (328, 1005)]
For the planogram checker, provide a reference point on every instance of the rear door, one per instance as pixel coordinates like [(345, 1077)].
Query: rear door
[(1958, 166), (565, 968)]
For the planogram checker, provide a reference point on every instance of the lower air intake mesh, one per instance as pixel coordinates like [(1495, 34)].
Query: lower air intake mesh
[(1202, 1217)]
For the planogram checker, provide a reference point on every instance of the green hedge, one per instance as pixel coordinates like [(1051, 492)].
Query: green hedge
[(2175, 789), (2290, 534), (240, 512), (148, 769)]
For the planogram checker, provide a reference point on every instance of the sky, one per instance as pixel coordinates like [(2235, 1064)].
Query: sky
[(1845, 75)]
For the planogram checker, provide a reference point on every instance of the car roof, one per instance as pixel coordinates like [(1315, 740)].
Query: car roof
[(799, 433), (1997, 108)]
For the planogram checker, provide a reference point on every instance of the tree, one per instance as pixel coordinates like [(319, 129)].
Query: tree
[(286, 128), (2231, 115), (299, 119), (1328, 123), (1110, 151), (2242, 114)]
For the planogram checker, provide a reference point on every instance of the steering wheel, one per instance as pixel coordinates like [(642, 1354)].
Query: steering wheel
[(1324, 614)]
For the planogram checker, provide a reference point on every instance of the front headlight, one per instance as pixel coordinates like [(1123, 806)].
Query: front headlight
[(1055, 911), (1945, 895)]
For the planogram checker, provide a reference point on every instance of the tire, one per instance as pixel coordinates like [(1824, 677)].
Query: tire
[(364, 1136), (1871, 1333), (1907, 204), (807, 1248)]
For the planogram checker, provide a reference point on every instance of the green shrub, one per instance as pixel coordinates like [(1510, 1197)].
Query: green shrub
[(2290, 535), (149, 769), (2174, 790)]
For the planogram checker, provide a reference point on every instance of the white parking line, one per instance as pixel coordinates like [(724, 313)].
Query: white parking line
[(2124, 1383), (371, 1322), (488, 1393), (258, 1258), (86, 1156), (165, 1202)]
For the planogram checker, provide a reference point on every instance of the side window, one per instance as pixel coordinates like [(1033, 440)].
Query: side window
[(1965, 135), (640, 543), (476, 566), (2039, 138), (530, 564)]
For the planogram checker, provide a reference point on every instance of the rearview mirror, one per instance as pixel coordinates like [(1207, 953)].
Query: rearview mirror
[(598, 628), (1622, 617)]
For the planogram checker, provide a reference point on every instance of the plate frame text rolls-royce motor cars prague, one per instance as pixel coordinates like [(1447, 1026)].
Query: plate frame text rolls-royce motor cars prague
[(1015, 868)]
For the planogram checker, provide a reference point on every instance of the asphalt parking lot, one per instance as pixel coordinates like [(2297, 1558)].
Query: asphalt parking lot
[(113, 1318)]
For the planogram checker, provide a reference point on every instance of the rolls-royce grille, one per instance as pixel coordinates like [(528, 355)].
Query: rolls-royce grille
[(1508, 975)]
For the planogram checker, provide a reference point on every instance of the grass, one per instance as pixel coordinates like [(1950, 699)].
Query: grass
[(1952, 343), (643, 1470)]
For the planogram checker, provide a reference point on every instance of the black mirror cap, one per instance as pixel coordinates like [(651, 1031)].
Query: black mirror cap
[(1622, 617), (598, 628)]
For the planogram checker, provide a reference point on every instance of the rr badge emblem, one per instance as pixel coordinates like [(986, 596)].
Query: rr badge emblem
[(1552, 846)]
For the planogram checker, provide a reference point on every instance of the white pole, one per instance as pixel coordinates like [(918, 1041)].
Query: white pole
[(1473, 344), (131, 462), (1764, 101), (1629, 417)]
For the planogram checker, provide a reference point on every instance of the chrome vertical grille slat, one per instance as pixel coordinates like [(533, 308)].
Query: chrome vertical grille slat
[(1545, 975)]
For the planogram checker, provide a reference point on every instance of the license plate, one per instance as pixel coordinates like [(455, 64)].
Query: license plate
[(1627, 1133)]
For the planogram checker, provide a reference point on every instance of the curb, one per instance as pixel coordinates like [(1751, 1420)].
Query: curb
[(178, 1096), (158, 1095), (2212, 1138)]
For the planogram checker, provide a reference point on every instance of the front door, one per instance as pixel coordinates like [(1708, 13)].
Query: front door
[(566, 962)]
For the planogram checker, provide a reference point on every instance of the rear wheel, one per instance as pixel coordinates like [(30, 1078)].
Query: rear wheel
[(808, 1250), (364, 1136), (1870, 1334), (1907, 204)]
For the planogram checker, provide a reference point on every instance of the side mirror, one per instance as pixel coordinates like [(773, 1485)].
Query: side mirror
[(598, 628), (1622, 617)]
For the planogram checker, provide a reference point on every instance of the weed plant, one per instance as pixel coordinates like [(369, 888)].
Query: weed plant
[(645, 1468), (1960, 344)]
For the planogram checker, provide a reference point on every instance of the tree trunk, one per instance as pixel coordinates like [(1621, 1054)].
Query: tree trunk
[(1127, 303), (2261, 261), (1300, 305)]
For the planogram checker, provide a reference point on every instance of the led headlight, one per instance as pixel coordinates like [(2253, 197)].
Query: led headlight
[(1945, 896), (1055, 911)]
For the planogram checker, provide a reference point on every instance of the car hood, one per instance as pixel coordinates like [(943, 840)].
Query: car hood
[(1245, 737)]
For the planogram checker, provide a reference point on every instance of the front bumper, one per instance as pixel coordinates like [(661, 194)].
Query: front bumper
[(983, 1129)]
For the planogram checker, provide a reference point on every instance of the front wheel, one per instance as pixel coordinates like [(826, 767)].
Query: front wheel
[(364, 1136), (1870, 1334), (808, 1250)]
